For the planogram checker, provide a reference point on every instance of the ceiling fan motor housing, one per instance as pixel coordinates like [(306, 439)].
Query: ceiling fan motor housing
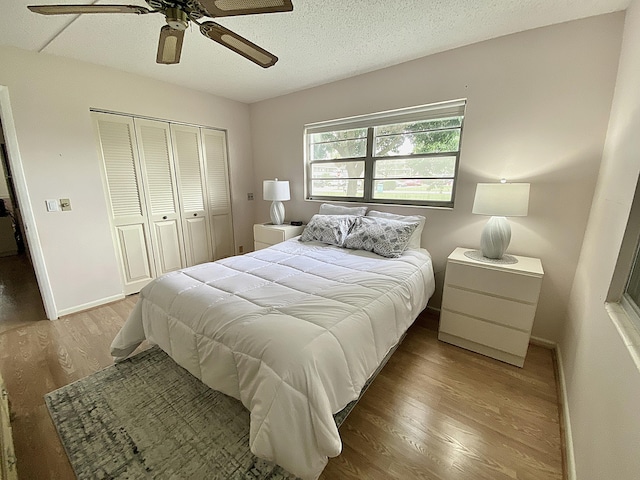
[(177, 19)]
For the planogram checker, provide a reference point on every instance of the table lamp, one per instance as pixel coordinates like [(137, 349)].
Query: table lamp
[(500, 200), (277, 191)]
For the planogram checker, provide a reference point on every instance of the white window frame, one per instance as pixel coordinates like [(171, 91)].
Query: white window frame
[(622, 309), (420, 113)]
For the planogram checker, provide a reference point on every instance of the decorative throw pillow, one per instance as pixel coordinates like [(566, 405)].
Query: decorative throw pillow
[(331, 229), (330, 209), (416, 237), (388, 238)]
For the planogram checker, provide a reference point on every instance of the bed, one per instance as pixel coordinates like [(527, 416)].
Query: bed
[(293, 331)]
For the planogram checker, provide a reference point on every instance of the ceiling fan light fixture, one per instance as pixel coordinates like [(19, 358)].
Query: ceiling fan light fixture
[(178, 14), (169, 46), (177, 19)]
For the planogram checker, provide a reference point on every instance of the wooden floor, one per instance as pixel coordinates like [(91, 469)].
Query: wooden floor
[(434, 412), (20, 302)]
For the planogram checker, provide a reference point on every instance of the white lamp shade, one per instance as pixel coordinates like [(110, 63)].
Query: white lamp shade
[(276, 190), (502, 199)]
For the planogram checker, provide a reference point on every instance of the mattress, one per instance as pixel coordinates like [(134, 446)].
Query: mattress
[(293, 331)]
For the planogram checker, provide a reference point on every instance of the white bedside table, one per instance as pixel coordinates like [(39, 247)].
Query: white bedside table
[(489, 307), (267, 234)]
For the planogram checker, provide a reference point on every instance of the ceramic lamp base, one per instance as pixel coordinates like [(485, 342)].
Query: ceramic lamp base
[(495, 238), (277, 213)]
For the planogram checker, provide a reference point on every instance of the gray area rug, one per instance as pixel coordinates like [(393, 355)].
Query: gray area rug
[(149, 418)]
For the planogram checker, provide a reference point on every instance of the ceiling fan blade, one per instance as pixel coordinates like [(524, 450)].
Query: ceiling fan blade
[(170, 45), (78, 9), (228, 8), (238, 44)]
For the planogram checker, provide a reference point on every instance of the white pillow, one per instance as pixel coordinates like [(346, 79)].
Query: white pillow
[(330, 209), (416, 237)]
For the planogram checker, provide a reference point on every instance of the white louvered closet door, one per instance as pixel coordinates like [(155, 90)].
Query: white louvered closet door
[(126, 194), (191, 189), (214, 144), (156, 159)]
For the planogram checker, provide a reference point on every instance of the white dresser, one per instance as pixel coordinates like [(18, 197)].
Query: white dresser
[(489, 307), (267, 234)]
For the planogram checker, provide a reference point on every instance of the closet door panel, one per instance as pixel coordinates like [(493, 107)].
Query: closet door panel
[(188, 157), (132, 243), (156, 155), (222, 232), (169, 245), (218, 196), (125, 196), (197, 238)]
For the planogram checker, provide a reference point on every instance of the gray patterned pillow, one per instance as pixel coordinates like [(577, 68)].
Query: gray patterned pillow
[(331, 229), (383, 236)]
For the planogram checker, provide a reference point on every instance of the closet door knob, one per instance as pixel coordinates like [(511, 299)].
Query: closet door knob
[(195, 214), (164, 218)]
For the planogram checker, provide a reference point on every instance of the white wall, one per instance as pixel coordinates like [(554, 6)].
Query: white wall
[(603, 383), (50, 98), (537, 111)]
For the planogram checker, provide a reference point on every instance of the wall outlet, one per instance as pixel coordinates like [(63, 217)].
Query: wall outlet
[(240, 249), (249, 196), (65, 204)]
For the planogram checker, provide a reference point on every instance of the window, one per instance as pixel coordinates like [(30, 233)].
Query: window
[(623, 299), (408, 156)]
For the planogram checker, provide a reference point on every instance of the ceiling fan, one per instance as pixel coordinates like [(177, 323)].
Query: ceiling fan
[(178, 13)]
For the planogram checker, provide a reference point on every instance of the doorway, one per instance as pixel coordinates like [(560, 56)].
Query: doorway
[(25, 293), (20, 298)]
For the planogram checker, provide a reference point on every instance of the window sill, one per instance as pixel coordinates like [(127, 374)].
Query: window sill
[(621, 318), (369, 204)]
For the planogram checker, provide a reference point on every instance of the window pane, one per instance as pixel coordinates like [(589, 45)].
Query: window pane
[(337, 170), (413, 127), (337, 188), (337, 179), (339, 144), (633, 286), (413, 190), (339, 135), (417, 143), (415, 167)]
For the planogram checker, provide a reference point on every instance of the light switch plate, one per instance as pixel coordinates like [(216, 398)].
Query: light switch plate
[(52, 205), (65, 204)]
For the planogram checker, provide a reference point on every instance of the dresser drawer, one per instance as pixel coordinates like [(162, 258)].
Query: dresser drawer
[(260, 245), (495, 336), (520, 287), (270, 236), (495, 309)]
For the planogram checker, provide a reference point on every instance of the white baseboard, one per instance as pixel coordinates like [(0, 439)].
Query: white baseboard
[(432, 309), (568, 437), (564, 401), (86, 306), (543, 342)]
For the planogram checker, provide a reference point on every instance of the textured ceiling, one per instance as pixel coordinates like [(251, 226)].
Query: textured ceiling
[(319, 42)]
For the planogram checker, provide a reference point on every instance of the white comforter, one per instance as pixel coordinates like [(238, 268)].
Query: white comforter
[(292, 331)]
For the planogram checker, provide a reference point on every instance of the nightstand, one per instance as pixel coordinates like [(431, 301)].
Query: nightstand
[(489, 307), (267, 234)]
